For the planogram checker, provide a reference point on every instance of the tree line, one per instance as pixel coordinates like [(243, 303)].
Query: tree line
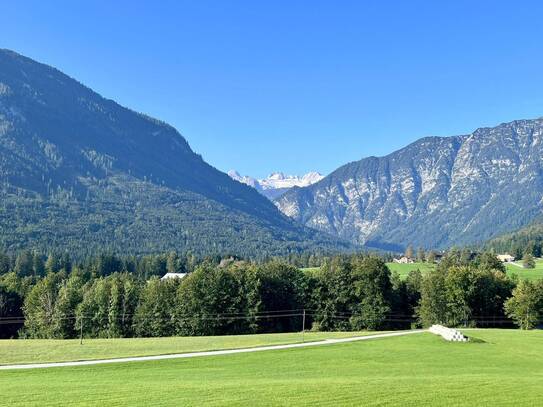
[(110, 296), (526, 241)]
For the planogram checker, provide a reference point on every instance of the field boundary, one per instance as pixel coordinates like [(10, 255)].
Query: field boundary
[(207, 353)]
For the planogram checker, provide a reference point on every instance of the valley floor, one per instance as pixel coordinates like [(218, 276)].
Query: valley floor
[(498, 368)]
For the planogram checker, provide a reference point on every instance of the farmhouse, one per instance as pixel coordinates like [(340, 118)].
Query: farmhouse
[(168, 276), (404, 260), (505, 258)]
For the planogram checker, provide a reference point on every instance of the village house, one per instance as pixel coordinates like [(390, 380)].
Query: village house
[(404, 260), (505, 258)]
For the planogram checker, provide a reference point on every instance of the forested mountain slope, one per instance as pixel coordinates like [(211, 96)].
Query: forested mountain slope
[(528, 239), (82, 173)]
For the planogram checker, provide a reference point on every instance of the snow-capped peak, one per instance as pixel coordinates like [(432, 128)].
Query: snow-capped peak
[(277, 182), (311, 178), (234, 175), (277, 176), (243, 179)]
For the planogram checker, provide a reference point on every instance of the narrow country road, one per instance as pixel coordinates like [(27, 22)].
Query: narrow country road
[(208, 353)]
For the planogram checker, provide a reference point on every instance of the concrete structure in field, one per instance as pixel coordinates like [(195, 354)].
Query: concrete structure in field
[(168, 276), (448, 334), (505, 258), (404, 260)]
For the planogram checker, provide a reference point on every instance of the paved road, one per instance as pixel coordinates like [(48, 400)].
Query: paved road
[(209, 353)]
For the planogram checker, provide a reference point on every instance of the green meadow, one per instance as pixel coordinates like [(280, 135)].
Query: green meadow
[(516, 268), (526, 274), (404, 269), (497, 368), (58, 350)]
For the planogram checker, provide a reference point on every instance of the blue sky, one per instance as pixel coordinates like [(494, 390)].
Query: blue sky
[(293, 85)]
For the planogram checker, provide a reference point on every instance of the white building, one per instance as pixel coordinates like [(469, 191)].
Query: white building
[(505, 258), (167, 276), (404, 260)]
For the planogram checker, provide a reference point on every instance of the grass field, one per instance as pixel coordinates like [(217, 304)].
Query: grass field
[(526, 274), (418, 370), (404, 269), (35, 350)]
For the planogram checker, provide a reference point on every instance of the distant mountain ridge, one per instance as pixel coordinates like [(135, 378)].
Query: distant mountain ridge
[(277, 183), (435, 193), (82, 173)]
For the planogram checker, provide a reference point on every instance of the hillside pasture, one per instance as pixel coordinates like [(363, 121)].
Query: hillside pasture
[(511, 268), (498, 368), (526, 274), (404, 269)]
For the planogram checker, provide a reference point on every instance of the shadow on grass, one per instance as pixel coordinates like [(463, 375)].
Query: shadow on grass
[(472, 339)]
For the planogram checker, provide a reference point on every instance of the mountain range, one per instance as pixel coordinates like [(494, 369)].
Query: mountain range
[(82, 173), (435, 193), (277, 183)]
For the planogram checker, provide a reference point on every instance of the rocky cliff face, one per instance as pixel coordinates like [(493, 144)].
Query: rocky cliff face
[(436, 192)]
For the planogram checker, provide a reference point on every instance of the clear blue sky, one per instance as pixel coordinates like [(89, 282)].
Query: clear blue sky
[(293, 85)]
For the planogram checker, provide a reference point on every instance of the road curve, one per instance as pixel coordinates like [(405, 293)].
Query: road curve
[(207, 353)]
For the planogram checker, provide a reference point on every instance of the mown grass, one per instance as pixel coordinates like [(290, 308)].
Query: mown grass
[(526, 274), (36, 350), (522, 273), (404, 269), (504, 368)]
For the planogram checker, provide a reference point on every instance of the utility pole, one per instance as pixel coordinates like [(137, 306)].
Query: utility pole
[(303, 327)]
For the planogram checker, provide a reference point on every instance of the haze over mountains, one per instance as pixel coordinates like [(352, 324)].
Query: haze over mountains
[(277, 183), (81, 172), (435, 193)]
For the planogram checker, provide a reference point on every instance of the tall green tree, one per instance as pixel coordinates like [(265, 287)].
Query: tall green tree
[(156, 308), (525, 307), (373, 289), (489, 261), (528, 261), (53, 263), (24, 264), (39, 307), (433, 308), (123, 299), (38, 265), (208, 304), (333, 295), (93, 311), (281, 288), (64, 314)]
